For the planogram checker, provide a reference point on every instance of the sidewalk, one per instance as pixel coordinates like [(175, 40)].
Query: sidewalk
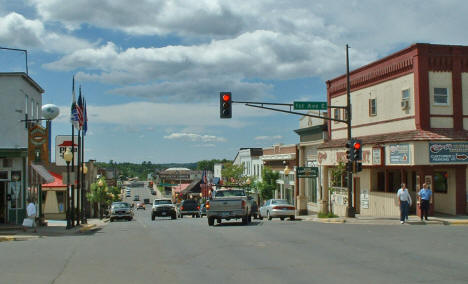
[(54, 228), (412, 220)]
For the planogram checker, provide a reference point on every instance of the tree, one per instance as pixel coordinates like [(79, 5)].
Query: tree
[(101, 194), (233, 174), (268, 184), (337, 174)]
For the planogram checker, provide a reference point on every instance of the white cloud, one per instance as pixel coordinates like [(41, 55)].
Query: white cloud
[(263, 138), (16, 30), (132, 116), (195, 137)]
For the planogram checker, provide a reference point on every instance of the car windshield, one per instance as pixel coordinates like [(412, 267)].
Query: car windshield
[(158, 202), (280, 201), (229, 193), (121, 205)]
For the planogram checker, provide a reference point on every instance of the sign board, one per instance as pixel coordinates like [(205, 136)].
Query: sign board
[(377, 156), (310, 105), (448, 152), (365, 199), (62, 142), (307, 172), (399, 154)]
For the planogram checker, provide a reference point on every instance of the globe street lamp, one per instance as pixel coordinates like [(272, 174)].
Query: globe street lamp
[(68, 157)]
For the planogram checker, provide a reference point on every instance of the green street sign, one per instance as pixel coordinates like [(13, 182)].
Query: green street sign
[(310, 105), (307, 172)]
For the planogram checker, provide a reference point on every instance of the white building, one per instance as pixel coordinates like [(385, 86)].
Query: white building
[(20, 99), (250, 158)]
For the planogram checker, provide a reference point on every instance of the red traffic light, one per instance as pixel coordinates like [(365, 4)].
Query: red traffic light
[(226, 97), (357, 145)]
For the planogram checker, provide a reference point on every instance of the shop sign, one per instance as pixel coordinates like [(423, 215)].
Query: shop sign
[(377, 156), (62, 142), (307, 172), (365, 199), (399, 153), (448, 152)]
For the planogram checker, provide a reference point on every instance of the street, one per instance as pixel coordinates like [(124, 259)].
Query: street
[(189, 251)]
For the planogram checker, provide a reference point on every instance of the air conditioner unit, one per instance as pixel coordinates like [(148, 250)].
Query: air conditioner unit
[(404, 104)]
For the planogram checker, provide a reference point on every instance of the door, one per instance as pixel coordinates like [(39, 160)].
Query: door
[(357, 194), (3, 203)]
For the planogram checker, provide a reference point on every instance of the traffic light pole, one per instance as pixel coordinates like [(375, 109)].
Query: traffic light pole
[(350, 212)]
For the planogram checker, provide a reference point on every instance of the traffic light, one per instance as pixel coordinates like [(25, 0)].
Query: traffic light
[(357, 150), (358, 167), (350, 150), (225, 105)]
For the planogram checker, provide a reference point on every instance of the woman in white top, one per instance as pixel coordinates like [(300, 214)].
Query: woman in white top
[(32, 213)]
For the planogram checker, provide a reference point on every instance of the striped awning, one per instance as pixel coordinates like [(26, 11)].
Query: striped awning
[(43, 173)]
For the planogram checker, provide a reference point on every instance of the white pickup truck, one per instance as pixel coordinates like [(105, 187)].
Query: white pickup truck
[(228, 204)]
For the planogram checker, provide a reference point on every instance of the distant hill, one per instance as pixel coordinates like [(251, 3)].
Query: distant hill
[(142, 170)]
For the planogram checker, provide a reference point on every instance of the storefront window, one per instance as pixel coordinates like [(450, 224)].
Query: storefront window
[(440, 182), (311, 187)]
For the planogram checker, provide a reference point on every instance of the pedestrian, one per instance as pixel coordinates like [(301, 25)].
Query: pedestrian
[(404, 200), (424, 196), (31, 219)]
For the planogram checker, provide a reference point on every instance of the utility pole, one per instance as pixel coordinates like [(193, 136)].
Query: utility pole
[(350, 210)]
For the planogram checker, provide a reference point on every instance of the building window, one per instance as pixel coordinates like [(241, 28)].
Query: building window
[(336, 114), (440, 96), (440, 182), (37, 111), (32, 108), (405, 95), (380, 185), (372, 107), (26, 105)]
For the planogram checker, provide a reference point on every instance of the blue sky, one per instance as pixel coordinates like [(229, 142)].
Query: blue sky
[(151, 71)]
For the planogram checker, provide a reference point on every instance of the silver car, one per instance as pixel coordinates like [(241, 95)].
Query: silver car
[(277, 208)]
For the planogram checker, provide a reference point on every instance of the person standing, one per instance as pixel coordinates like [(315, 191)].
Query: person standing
[(424, 196), (404, 200), (32, 212)]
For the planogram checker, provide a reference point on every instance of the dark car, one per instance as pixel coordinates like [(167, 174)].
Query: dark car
[(136, 198), (189, 207), (153, 192), (147, 201), (121, 210)]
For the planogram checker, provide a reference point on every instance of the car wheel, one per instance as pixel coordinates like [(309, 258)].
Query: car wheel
[(130, 219), (210, 221), (269, 216), (282, 218), (198, 215), (219, 221), (111, 220), (292, 218), (173, 217), (153, 217)]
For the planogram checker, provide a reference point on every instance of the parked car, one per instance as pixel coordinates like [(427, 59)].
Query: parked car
[(153, 192), (120, 210), (189, 207), (202, 210), (136, 198), (277, 208), (140, 205), (128, 194), (163, 208), (147, 201)]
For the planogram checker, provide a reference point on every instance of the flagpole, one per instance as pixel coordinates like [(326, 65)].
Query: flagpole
[(78, 180), (74, 179), (83, 185)]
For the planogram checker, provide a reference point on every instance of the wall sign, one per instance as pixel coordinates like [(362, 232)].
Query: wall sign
[(365, 199), (448, 152), (399, 154), (62, 142), (377, 156), (307, 172)]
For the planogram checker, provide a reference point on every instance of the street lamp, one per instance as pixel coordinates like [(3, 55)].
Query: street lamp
[(84, 201), (68, 157), (286, 180)]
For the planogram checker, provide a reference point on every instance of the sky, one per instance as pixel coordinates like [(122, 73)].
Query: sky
[(151, 70)]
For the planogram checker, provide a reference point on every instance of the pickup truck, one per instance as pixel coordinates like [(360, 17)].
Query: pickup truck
[(228, 204)]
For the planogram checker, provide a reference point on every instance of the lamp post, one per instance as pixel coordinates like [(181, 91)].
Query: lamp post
[(68, 157), (286, 179), (84, 202)]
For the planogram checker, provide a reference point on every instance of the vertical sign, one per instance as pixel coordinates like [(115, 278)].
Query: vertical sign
[(62, 142)]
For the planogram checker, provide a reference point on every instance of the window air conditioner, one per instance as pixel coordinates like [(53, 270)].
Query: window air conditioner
[(404, 104)]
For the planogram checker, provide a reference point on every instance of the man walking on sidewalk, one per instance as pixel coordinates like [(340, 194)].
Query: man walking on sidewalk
[(404, 200), (424, 196)]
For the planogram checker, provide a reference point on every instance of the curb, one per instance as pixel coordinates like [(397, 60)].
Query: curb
[(17, 238), (86, 228), (456, 222)]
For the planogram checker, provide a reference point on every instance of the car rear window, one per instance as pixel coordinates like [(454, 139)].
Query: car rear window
[(229, 193), (279, 202), (189, 201), (158, 202)]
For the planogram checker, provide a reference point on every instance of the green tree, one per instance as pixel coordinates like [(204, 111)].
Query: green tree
[(233, 174), (101, 194), (268, 184)]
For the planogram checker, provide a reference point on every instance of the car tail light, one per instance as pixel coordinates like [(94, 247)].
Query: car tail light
[(277, 207), (243, 204), (198, 207), (207, 206), (181, 207), (291, 208)]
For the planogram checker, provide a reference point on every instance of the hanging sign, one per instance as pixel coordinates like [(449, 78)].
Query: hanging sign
[(62, 142)]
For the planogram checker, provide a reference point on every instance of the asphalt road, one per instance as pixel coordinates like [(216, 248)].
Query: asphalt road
[(189, 251)]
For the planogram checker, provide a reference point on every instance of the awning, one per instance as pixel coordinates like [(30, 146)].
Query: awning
[(43, 173), (194, 187)]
